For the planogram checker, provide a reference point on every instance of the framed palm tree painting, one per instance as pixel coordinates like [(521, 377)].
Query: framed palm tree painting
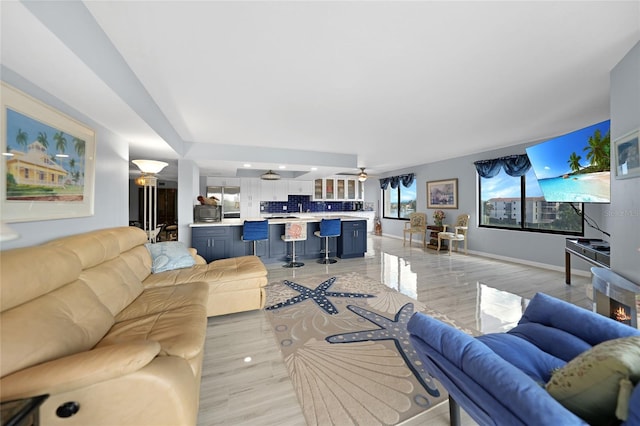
[(48, 161)]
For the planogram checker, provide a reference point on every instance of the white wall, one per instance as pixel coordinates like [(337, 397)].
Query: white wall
[(188, 191), (624, 212), (111, 204), (539, 249)]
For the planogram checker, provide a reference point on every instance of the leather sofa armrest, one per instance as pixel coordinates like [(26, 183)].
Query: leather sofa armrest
[(199, 259), (78, 370)]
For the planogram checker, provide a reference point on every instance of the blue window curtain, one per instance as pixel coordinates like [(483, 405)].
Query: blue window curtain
[(513, 165), (394, 181)]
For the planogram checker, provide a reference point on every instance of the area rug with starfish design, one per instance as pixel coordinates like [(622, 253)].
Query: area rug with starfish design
[(346, 347)]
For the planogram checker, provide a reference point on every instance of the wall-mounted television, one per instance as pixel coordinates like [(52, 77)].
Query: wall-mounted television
[(574, 167)]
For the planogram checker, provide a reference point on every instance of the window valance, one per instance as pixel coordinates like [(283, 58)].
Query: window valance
[(394, 181), (513, 165)]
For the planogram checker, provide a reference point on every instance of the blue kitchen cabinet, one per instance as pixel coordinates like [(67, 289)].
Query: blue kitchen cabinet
[(353, 241)]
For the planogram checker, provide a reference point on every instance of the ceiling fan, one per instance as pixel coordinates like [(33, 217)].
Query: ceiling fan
[(362, 176)]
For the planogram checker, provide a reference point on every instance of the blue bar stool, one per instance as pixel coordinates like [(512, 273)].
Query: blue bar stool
[(294, 231), (255, 230), (329, 228)]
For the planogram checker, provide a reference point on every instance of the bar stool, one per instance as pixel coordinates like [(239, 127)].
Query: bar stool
[(329, 228), (294, 231), (255, 230)]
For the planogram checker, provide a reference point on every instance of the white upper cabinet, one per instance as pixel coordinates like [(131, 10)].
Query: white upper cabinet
[(274, 190), (300, 187), (249, 198)]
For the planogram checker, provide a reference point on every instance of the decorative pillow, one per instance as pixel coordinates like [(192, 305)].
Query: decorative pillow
[(596, 385), (169, 255)]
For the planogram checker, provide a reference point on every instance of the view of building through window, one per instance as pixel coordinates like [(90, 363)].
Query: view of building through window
[(400, 202), (517, 203)]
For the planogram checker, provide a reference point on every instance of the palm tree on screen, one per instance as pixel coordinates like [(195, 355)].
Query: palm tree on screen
[(598, 150), (574, 161)]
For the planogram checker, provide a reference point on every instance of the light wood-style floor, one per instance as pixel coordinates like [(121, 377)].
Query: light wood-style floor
[(244, 381)]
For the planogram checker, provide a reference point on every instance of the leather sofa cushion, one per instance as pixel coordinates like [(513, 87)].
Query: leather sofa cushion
[(180, 331), (92, 248), (115, 284), (128, 237), (139, 261), (65, 321), (33, 271), (241, 273), (95, 247), (159, 299)]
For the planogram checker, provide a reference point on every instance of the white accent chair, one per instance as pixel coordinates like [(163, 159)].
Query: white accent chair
[(417, 225), (459, 233)]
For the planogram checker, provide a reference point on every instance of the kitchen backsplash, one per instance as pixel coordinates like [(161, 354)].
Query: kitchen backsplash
[(296, 201)]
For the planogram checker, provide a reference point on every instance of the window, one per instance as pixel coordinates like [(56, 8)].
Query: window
[(517, 203), (399, 202)]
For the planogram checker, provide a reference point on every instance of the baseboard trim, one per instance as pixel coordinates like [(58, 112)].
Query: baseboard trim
[(541, 265), (578, 272)]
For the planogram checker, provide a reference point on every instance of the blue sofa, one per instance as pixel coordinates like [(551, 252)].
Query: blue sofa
[(499, 378)]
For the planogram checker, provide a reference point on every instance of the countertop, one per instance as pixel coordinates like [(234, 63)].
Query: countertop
[(299, 217)]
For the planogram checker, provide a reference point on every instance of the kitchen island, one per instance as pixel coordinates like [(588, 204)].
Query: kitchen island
[(220, 240)]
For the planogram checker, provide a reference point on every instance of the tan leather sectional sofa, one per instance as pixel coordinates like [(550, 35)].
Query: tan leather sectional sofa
[(85, 321)]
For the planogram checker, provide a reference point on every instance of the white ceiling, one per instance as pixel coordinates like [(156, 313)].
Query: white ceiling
[(332, 84)]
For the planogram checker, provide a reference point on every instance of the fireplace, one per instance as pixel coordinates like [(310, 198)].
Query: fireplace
[(620, 312), (615, 296)]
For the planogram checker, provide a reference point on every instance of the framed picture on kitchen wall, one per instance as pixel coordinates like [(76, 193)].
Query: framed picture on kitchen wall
[(442, 194), (48, 161)]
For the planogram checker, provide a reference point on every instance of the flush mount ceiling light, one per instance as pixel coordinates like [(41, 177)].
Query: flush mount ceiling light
[(150, 166), (270, 175), (362, 176)]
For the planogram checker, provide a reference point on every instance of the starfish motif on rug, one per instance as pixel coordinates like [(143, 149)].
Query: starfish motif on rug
[(318, 295), (395, 330)]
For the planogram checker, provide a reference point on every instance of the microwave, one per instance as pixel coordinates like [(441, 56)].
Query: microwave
[(205, 213)]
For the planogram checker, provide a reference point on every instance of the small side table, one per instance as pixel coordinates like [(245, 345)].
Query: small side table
[(432, 236), (22, 412)]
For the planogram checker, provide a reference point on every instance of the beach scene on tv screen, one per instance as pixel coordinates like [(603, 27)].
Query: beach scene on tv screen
[(574, 167)]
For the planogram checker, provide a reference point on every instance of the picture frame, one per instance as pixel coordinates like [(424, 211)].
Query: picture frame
[(442, 194), (626, 151), (48, 161)]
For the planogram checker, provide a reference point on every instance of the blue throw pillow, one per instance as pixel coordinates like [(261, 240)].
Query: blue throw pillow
[(169, 255)]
